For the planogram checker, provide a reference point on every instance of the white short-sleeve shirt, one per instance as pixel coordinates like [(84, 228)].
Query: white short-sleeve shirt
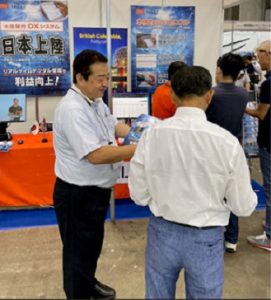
[(81, 127)]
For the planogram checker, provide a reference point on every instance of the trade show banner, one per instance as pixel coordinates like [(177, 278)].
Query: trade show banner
[(96, 39), (34, 47), (159, 36)]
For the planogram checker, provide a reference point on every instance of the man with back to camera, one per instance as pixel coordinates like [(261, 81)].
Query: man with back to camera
[(200, 164), (86, 168), (262, 112), (162, 105), (227, 110), (15, 110)]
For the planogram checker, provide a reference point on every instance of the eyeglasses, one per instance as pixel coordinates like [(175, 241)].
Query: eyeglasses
[(263, 51)]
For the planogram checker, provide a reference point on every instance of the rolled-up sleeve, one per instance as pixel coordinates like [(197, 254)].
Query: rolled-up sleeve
[(241, 199)]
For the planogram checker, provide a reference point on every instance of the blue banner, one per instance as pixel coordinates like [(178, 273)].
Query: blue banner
[(96, 39), (160, 35), (34, 47)]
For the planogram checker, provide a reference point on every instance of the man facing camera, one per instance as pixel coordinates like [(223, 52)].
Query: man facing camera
[(86, 167), (184, 168)]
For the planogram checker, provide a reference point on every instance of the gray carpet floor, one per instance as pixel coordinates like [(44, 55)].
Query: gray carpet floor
[(30, 261)]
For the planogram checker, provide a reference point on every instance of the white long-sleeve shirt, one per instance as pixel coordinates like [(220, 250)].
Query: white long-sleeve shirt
[(185, 167)]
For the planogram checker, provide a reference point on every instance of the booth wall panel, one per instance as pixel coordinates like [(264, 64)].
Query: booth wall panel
[(92, 13)]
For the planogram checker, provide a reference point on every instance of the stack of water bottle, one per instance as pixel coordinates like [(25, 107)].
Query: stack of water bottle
[(250, 132)]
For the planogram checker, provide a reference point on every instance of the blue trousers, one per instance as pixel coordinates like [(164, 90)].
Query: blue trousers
[(265, 163), (172, 247), (232, 229), (80, 212)]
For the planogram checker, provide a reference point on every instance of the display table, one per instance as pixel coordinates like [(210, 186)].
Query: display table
[(27, 173)]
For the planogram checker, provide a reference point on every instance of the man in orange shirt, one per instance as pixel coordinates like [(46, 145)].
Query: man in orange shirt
[(162, 105)]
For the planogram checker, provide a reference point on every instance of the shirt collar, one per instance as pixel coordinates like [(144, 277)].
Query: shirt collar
[(190, 112), (226, 84), (84, 96)]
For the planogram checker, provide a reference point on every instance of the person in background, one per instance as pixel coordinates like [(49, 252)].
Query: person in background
[(251, 71), (262, 112), (257, 67), (227, 110), (86, 168), (162, 104), (243, 80), (191, 173), (15, 110)]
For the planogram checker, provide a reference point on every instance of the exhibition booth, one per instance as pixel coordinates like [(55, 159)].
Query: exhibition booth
[(94, 14), (27, 173), (38, 47)]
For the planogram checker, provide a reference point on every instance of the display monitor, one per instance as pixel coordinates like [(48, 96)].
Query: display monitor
[(12, 109), (130, 105)]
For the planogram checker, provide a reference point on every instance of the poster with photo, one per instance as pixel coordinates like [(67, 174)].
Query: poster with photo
[(96, 39), (12, 108), (159, 36), (34, 47)]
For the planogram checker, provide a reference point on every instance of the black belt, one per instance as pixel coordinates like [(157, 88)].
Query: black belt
[(191, 226), (72, 185)]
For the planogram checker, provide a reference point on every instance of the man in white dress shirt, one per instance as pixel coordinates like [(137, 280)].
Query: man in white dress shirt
[(192, 174)]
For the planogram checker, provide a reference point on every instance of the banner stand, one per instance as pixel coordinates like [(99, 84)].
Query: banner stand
[(37, 109)]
